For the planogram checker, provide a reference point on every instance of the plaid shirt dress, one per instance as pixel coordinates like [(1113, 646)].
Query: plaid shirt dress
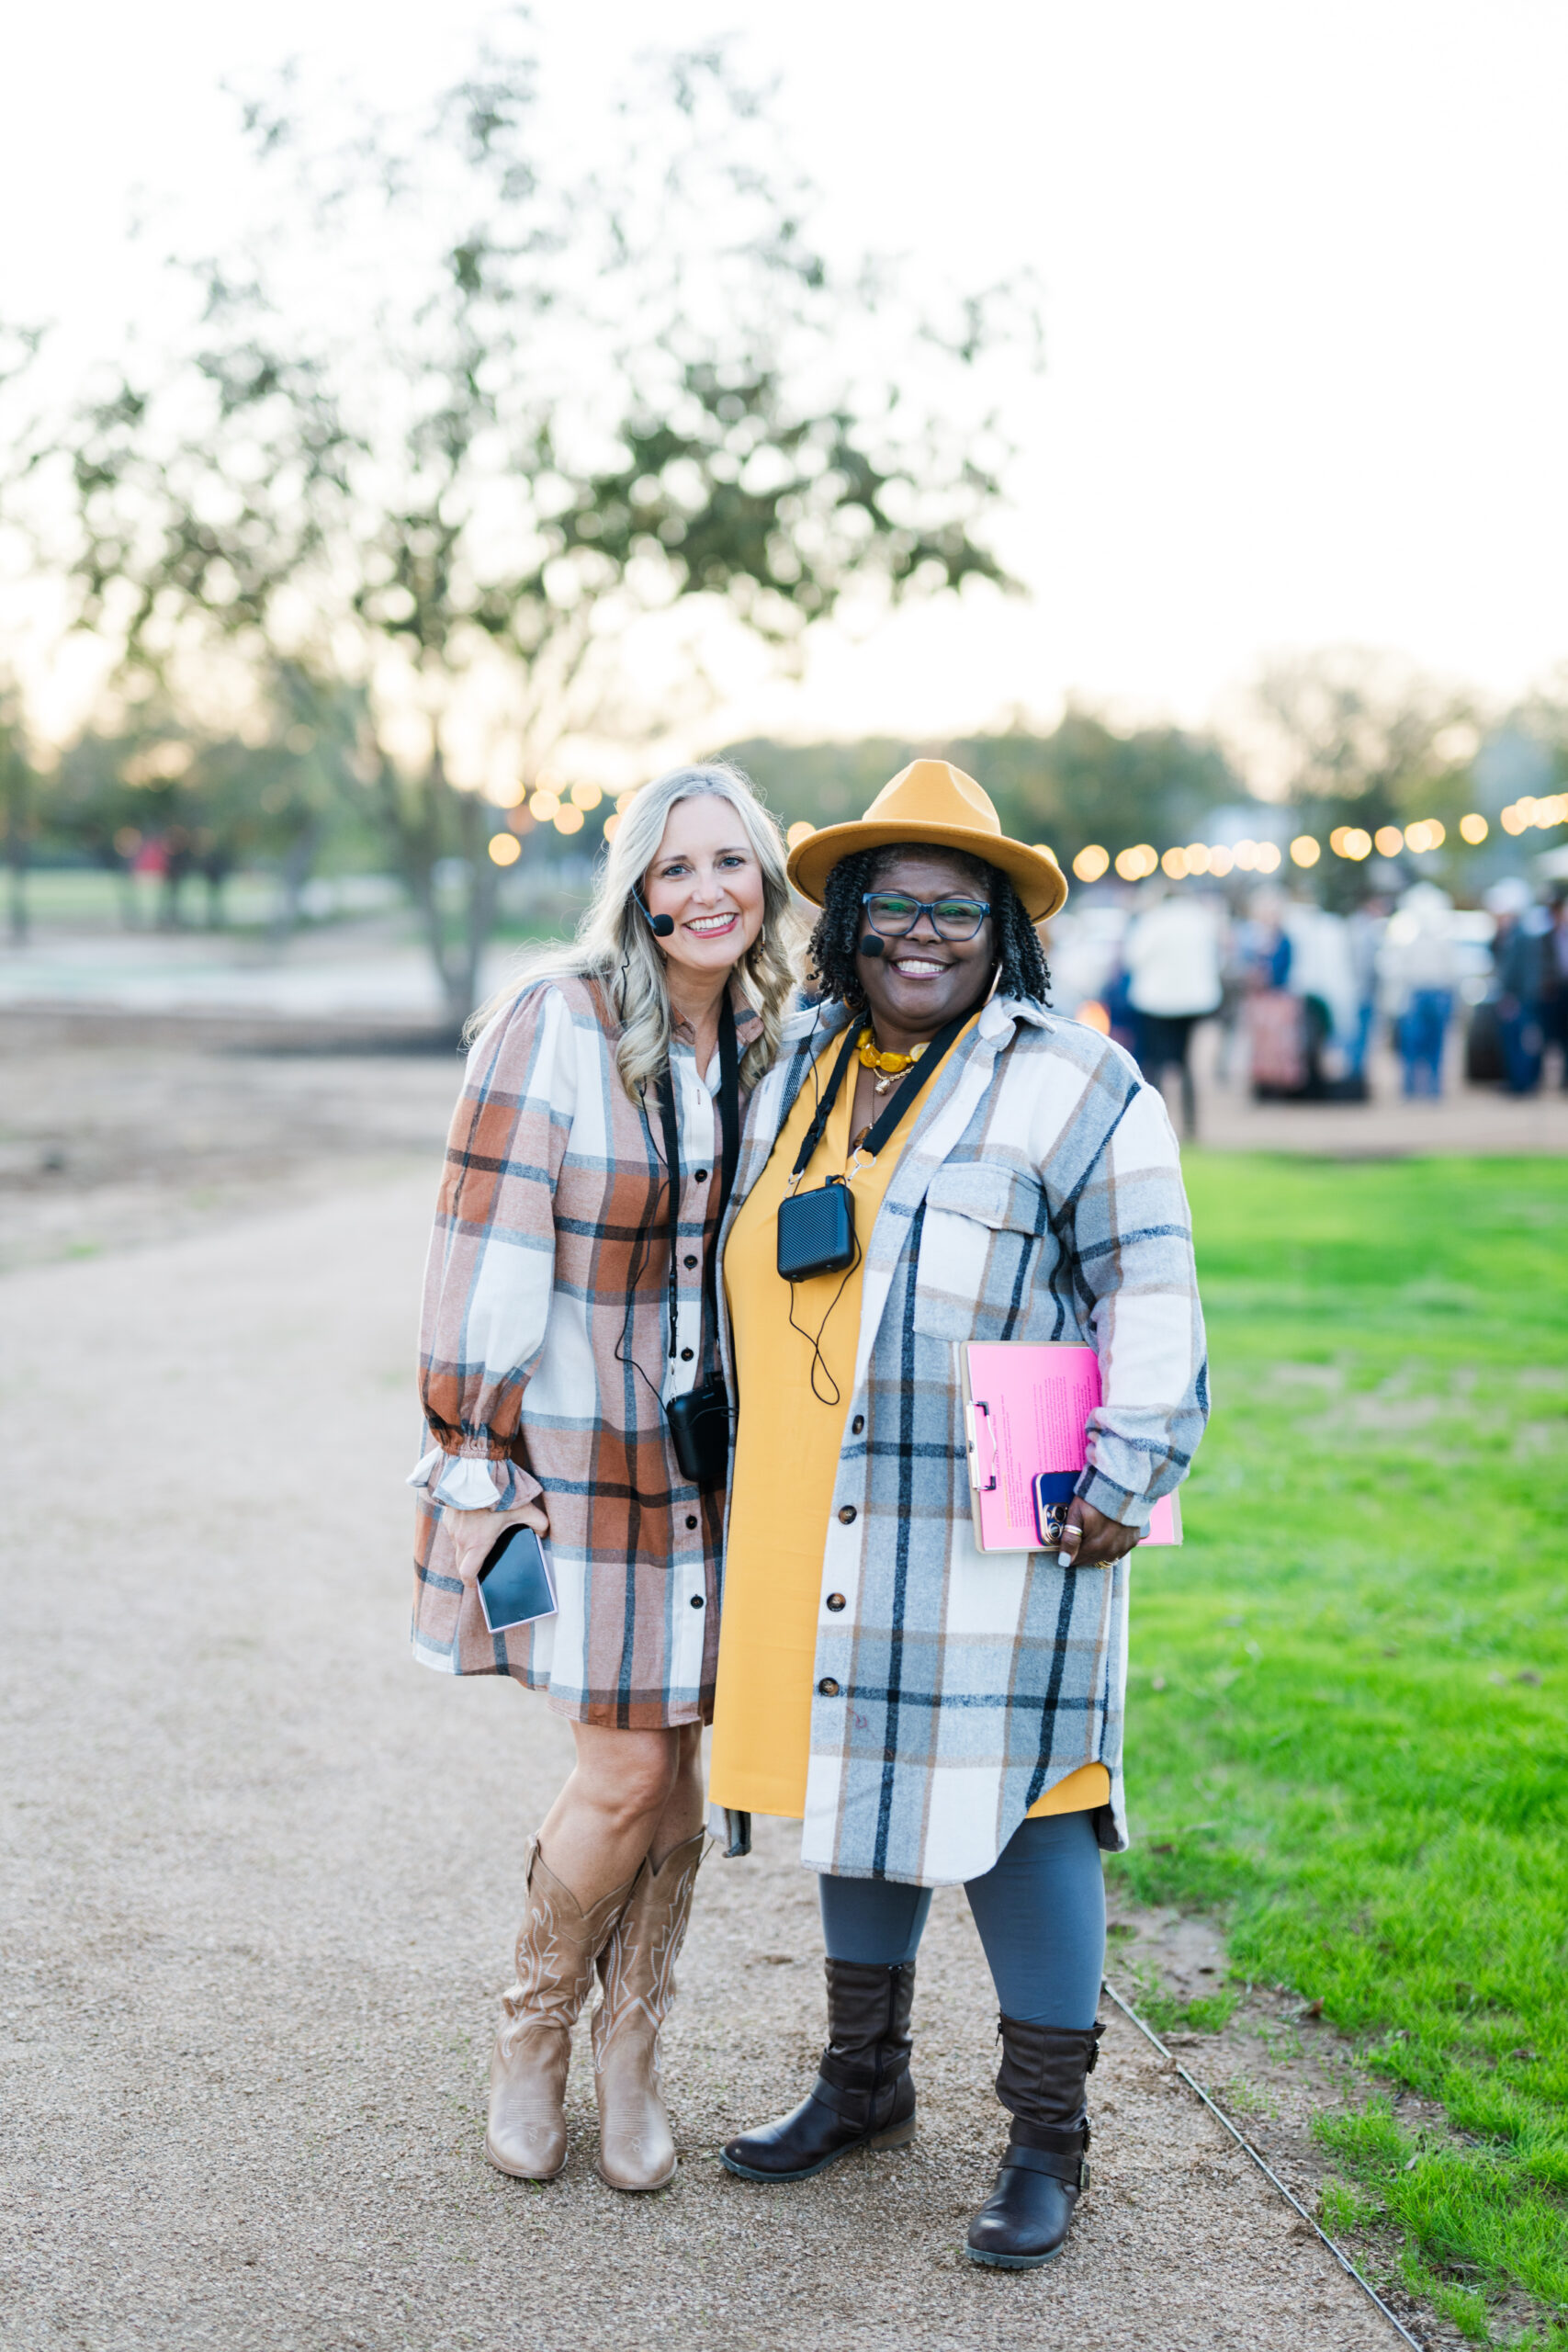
[(545, 1364), (1038, 1197)]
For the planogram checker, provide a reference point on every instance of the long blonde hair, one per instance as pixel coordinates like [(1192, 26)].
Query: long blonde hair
[(616, 946)]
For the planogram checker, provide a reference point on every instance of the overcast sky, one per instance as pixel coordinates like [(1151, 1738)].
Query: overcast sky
[(1304, 282)]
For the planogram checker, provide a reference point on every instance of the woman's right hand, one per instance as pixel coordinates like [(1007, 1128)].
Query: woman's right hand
[(476, 1533), (1090, 1540)]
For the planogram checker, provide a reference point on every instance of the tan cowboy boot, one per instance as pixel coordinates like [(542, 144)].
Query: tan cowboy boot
[(557, 1947), (636, 1969)]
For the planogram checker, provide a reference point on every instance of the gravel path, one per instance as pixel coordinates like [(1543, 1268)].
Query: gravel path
[(260, 1875)]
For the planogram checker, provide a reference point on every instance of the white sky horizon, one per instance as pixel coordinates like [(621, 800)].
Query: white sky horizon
[(1307, 353)]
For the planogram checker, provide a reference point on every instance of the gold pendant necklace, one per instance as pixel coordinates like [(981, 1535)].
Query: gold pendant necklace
[(887, 1066)]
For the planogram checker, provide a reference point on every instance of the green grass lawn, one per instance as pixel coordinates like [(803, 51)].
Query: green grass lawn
[(84, 897), (1347, 1718)]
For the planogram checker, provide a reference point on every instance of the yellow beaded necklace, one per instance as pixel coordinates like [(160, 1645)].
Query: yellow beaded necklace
[(887, 1066)]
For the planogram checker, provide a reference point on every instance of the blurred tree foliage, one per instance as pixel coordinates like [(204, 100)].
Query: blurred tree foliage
[(158, 796), (1084, 782), (1353, 737), (19, 787), (468, 414)]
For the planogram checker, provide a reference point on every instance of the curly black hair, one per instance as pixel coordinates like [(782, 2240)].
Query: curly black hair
[(841, 927)]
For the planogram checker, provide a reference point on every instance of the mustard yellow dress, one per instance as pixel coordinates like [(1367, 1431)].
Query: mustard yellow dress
[(788, 1441)]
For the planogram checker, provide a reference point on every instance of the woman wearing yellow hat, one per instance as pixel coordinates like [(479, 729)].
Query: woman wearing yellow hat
[(935, 1158)]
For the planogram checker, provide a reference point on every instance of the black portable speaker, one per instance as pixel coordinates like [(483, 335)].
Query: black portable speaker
[(817, 1231)]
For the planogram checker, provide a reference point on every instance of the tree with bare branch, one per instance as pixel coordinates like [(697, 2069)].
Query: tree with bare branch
[(469, 421)]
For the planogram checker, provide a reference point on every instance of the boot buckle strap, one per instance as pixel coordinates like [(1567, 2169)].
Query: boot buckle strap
[(863, 2073), (1057, 2140), (1073, 2170), (852, 2106)]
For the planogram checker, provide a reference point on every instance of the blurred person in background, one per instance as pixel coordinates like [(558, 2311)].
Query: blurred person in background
[(1274, 1015), (1266, 942), (934, 1716), (1557, 1003), (1122, 1019), (1241, 975), (1417, 969), (1172, 957), (1523, 963), (558, 1330), (1321, 976), (1365, 929)]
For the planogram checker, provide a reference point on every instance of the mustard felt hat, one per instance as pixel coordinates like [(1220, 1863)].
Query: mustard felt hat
[(930, 801)]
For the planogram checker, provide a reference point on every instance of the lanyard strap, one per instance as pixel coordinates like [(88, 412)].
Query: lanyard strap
[(903, 1100), (729, 1131)]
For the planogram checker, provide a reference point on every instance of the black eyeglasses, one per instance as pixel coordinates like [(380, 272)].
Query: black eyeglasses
[(893, 916)]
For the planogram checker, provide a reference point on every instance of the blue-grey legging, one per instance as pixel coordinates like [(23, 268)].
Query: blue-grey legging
[(1041, 1913)]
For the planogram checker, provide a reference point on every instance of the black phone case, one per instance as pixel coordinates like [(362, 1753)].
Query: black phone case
[(816, 1233)]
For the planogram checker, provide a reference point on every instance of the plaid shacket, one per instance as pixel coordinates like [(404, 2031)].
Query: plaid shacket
[(543, 1362), (1038, 1197)]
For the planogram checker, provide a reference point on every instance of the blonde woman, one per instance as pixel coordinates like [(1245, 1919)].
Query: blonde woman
[(568, 1344)]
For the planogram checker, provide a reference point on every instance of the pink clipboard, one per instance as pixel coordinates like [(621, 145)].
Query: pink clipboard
[(1026, 1409)]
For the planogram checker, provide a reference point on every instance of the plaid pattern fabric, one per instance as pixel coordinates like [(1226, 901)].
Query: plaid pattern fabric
[(1038, 1197), (544, 1359)]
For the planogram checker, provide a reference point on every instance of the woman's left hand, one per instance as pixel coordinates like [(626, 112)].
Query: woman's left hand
[(474, 1533), (1089, 1539)]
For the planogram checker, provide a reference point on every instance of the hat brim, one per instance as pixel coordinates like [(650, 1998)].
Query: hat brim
[(1040, 882)]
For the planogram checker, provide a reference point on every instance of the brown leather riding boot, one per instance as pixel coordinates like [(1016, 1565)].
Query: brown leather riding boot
[(557, 1947), (636, 1969)]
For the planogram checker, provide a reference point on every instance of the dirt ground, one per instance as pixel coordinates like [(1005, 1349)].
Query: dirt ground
[(116, 1132), (260, 1873)]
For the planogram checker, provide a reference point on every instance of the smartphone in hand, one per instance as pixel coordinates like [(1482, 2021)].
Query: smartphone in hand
[(1053, 1490), (515, 1584)]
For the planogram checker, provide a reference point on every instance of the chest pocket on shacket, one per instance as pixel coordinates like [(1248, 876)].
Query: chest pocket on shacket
[(985, 1244)]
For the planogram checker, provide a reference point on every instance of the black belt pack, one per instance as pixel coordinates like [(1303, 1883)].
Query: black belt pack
[(699, 1431)]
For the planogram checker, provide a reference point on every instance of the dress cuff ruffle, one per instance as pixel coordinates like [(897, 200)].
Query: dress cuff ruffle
[(472, 1482)]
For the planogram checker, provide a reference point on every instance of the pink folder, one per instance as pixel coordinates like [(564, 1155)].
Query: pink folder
[(1026, 1409)]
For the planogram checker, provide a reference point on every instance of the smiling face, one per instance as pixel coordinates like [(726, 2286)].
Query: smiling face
[(918, 984), (706, 877)]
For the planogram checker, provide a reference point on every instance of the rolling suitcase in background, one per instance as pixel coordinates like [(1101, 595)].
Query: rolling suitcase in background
[(1277, 1043)]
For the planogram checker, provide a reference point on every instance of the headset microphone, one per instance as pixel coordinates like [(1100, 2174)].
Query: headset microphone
[(661, 925), (871, 947)]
